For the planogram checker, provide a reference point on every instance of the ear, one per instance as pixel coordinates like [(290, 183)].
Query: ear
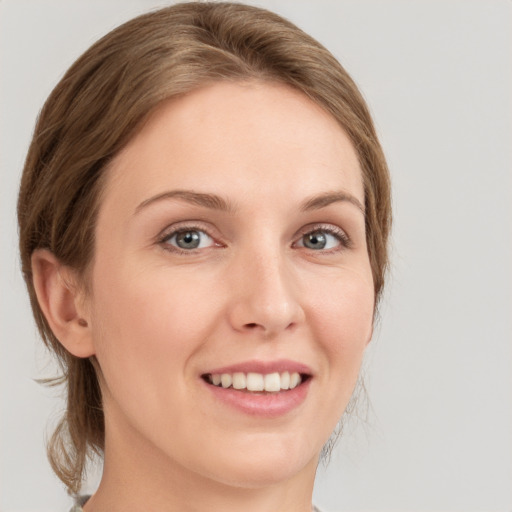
[(370, 334), (62, 303)]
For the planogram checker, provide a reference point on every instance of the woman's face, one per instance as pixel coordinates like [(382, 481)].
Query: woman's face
[(231, 246)]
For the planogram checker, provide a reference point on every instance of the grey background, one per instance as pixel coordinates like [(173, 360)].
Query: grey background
[(438, 78)]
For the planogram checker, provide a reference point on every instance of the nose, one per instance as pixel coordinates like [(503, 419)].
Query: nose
[(265, 298)]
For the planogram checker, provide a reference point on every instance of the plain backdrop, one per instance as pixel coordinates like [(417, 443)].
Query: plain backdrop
[(438, 79)]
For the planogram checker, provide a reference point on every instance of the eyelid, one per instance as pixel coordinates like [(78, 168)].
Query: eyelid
[(332, 229), (180, 227)]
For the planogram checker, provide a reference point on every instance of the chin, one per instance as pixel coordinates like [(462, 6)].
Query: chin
[(264, 464)]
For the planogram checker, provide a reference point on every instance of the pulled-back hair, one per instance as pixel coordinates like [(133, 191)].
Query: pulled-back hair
[(99, 105)]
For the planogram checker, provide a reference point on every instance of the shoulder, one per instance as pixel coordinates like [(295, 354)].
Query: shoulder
[(77, 507)]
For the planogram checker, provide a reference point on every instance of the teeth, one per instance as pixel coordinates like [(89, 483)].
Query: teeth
[(226, 380), (270, 382), (239, 380), (255, 382), (285, 380), (273, 382), (294, 380)]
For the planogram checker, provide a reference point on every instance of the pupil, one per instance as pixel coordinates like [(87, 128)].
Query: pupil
[(188, 240), (315, 241)]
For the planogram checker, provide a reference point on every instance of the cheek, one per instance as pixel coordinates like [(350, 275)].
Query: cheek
[(344, 325), (146, 324), (346, 305)]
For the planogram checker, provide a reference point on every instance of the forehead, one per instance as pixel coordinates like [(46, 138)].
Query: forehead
[(239, 138)]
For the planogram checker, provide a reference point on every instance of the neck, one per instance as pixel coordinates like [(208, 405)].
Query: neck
[(137, 476)]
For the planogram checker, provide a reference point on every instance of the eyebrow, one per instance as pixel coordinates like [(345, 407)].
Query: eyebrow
[(215, 202), (323, 200), (211, 201)]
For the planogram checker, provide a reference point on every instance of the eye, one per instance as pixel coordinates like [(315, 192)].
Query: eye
[(188, 239), (323, 239)]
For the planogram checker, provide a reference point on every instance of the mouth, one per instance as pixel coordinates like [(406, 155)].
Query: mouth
[(264, 389), (257, 383)]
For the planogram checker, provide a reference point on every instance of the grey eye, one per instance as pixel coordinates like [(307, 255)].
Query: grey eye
[(321, 239), (190, 239), (315, 240)]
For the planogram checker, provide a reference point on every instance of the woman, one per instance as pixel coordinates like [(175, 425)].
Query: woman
[(204, 214)]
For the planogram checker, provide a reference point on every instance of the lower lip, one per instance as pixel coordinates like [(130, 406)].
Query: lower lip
[(268, 405)]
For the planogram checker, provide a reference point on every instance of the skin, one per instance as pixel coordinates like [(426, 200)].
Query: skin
[(158, 318)]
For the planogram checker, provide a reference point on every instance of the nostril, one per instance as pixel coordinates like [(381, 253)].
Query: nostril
[(252, 325)]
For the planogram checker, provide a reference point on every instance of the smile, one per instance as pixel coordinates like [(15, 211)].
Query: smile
[(256, 382), (264, 389)]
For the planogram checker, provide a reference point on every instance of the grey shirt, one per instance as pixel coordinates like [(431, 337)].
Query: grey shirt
[(77, 507)]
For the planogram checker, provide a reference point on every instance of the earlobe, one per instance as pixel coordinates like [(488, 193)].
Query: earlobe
[(61, 303)]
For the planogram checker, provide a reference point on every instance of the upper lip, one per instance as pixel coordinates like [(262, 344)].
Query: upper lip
[(264, 367)]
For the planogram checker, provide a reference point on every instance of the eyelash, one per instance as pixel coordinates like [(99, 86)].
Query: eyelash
[(167, 235), (338, 233)]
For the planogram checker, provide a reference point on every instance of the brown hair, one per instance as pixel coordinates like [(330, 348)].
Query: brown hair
[(96, 109)]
